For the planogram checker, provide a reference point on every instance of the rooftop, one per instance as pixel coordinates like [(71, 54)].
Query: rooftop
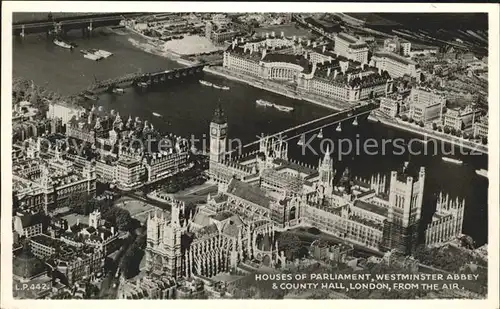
[(128, 163), (248, 192), (382, 211), (31, 219), (26, 265), (395, 57)]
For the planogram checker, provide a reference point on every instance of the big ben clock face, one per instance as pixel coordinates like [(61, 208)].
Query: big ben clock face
[(214, 131), (223, 131)]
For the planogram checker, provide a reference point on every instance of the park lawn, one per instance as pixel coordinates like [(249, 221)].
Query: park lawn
[(135, 207)]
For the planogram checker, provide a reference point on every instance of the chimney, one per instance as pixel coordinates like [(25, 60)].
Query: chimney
[(328, 71), (234, 44), (308, 42), (294, 37), (245, 49), (273, 34), (314, 44), (267, 35), (102, 236), (282, 34), (113, 230), (324, 49)]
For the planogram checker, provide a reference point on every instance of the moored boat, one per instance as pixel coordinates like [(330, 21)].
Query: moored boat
[(216, 86), (63, 44), (482, 172), (90, 96), (156, 114), (225, 88), (102, 53), (89, 55), (205, 83), (263, 103)]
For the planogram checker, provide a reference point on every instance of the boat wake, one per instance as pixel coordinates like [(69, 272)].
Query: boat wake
[(278, 107)]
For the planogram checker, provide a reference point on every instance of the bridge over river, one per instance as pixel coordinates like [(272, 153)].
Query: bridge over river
[(86, 22), (147, 80), (355, 114)]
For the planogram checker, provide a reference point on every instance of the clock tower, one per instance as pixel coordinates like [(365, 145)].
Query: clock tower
[(218, 135)]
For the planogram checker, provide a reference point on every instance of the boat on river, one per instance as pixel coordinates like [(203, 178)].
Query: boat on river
[(205, 83), (283, 108), (263, 103), (156, 115), (101, 53), (452, 160), (63, 44), (89, 55), (482, 172)]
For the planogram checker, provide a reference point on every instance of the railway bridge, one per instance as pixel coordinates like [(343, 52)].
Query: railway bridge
[(63, 24)]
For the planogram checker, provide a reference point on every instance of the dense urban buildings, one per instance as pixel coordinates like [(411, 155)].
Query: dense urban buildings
[(312, 69), (351, 47)]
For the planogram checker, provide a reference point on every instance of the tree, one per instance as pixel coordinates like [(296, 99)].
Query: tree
[(421, 124), (291, 244), (411, 120), (434, 126), (404, 118), (172, 187), (447, 130)]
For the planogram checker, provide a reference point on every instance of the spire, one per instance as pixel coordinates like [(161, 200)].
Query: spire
[(327, 159), (219, 116)]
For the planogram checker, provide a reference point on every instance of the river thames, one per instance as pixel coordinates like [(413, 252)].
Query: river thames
[(186, 110)]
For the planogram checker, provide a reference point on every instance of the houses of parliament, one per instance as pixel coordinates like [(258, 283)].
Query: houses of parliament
[(266, 192)]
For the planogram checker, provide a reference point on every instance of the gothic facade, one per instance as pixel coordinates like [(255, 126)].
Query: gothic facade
[(265, 192)]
